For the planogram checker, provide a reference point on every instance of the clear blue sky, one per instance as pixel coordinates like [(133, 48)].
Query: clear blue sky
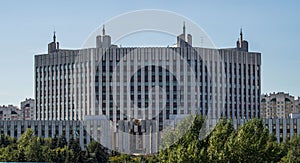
[(271, 27)]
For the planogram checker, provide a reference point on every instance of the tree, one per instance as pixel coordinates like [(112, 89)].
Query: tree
[(33, 151), (218, 141), (25, 139), (61, 154), (21, 155), (62, 142), (188, 147), (9, 153), (4, 140), (251, 143), (274, 151), (293, 154), (96, 152), (74, 146), (54, 142)]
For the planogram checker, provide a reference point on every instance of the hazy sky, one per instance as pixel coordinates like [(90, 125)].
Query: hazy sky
[(271, 27)]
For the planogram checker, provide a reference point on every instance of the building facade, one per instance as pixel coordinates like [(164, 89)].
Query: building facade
[(28, 109), (10, 112), (89, 130), (73, 83), (297, 105), (155, 84), (278, 105)]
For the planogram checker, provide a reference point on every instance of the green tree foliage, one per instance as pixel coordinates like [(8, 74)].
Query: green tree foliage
[(293, 150), (5, 140), (188, 147), (249, 143), (33, 150), (120, 158), (61, 142), (171, 135), (9, 154), (75, 148), (61, 154), (252, 143), (30, 148), (54, 143), (96, 152), (218, 141), (25, 139)]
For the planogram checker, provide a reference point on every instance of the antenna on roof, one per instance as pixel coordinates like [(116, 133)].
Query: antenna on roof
[(103, 30), (183, 28), (54, 37), (241, 34)]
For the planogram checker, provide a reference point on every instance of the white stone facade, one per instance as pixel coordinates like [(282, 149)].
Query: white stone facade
[(155, 84), (117, 82)]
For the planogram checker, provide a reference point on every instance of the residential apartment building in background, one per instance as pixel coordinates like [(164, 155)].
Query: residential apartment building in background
[(28, 109), (297, 105), (279, 105), (10, 112)]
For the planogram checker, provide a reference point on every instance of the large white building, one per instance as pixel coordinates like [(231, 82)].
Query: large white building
[(151, 84)]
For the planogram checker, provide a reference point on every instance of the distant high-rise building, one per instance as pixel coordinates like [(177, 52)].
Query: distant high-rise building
[(278, 105), (28, 109)]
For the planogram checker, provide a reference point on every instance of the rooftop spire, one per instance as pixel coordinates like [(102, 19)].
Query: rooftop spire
[(183, 29), (54, 37), (242, 44), (53, 46), (241, 34), (103, 30)]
